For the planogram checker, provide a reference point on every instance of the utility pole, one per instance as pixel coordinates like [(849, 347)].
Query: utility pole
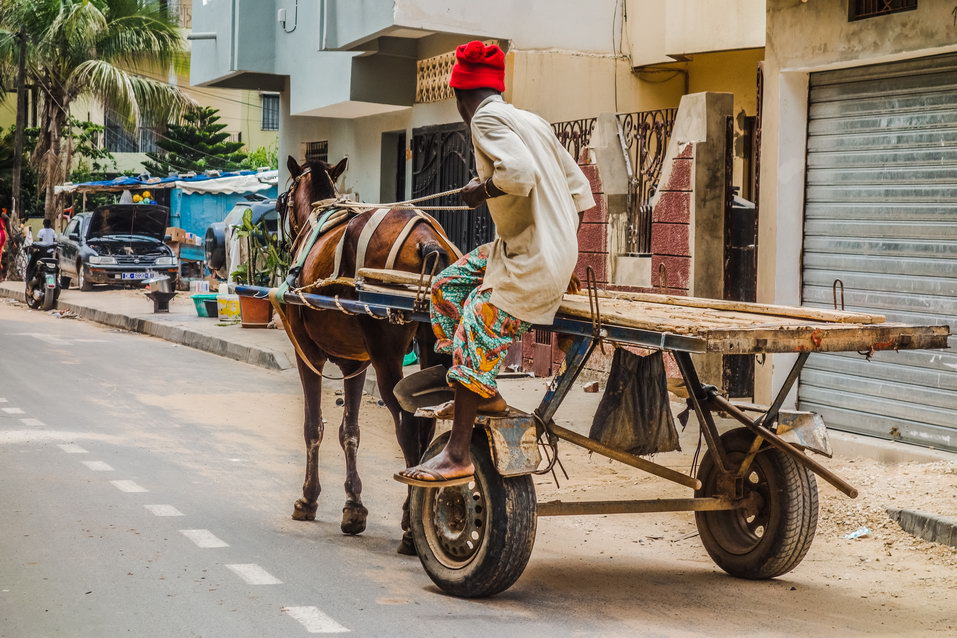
[(21, 125)]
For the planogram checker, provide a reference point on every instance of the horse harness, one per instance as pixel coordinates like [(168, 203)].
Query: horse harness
[(325, 216)]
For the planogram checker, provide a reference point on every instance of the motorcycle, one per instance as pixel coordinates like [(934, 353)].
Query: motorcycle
[(42, 277)]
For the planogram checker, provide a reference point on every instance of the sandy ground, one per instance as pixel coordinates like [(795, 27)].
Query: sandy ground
[(626, 567), (628, 574)]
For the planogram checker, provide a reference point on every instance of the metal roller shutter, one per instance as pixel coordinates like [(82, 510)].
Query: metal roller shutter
[(881, 215)]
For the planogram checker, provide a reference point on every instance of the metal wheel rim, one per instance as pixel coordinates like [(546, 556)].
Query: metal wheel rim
[(455, 522), (742, 531), (80, 277)]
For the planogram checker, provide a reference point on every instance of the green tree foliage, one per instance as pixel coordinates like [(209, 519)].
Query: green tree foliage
[(263, 156), (91, 160), (197, 144), (105, 49)]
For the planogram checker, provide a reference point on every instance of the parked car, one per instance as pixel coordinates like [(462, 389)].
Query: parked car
[(116, 244), (223, 253)]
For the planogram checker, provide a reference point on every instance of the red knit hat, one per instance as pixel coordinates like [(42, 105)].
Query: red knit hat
[(478, 67)]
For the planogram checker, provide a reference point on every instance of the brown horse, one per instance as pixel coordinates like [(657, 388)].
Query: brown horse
[(353, 342)]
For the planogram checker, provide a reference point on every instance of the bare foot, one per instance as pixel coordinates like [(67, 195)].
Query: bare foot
[(493, 405), (439, 468)]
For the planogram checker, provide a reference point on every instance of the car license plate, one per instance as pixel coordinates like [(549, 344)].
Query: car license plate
[(136, 275)]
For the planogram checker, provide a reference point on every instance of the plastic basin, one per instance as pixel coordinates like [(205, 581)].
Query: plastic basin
[(200, 299)]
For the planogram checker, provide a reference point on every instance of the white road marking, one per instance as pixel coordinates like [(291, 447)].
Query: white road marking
[(314, 620), (37, 423), (163, 510), (12, 410), (254, 574), (203, 538), (72, 448), (2, 400), (128, 486), (98, 466)]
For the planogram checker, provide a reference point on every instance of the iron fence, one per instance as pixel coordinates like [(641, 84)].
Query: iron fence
[(645, 136), (575, 135)]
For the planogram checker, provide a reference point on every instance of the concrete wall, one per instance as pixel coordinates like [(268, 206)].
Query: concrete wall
[(803, 38), (530, 24), (660, 32)]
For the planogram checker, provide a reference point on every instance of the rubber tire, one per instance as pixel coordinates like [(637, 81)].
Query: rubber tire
[(792, 512), (81, 281), (509, 528), (64, 282), (32, 303), (49, 299)]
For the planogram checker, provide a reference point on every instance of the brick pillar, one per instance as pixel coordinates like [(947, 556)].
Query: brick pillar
[(671, 220)]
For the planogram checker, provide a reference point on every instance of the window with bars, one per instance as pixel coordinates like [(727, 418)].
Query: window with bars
[(317, 151), (117, 138), (270, 108), (860, 9)]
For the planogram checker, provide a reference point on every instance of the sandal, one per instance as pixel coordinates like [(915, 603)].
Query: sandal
[(438, 481)]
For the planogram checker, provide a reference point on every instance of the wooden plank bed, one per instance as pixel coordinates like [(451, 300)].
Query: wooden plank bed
[(730, 327)]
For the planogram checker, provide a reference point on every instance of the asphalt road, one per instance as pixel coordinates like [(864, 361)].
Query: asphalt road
[(146, 490)]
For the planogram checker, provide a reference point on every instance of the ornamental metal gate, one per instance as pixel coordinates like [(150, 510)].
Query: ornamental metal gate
[(442, 159), (880, 216)]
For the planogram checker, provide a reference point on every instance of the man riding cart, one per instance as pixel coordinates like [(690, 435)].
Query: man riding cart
[(536, 194)]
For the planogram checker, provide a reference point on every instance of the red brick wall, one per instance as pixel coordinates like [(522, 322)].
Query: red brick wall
[(670, 247)]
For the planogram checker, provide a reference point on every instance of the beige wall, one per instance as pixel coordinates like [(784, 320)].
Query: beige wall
[(558, 85), (660, 31), (803, 38), (8, 110)]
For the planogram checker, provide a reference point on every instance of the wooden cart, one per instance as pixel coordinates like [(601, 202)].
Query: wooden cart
[(755, 495)]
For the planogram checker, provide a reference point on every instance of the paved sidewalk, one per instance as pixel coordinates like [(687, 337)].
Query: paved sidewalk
[(131, 310)]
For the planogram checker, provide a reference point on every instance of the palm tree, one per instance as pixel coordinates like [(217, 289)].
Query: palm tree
[(98, 48)]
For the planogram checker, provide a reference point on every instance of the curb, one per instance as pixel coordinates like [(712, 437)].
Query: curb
[(264, 358), (930, 527)]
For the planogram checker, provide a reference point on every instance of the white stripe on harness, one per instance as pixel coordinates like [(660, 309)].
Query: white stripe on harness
[(362, 244), (404, 234)]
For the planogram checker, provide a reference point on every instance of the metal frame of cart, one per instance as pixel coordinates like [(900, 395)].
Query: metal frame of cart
[(755, 495)]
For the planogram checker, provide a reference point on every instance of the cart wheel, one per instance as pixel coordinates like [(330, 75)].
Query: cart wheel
[(771, 538), (474, 540)]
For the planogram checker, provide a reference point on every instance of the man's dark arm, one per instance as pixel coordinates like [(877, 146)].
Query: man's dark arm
[(477, 191)]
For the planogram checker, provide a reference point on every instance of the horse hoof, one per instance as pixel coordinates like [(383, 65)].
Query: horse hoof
[(303, 511), (407, 545), (353, 518)]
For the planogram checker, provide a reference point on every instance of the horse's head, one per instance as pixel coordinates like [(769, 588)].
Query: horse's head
[(311, 182)]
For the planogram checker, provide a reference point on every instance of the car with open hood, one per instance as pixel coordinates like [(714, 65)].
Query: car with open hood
[(116, 244)]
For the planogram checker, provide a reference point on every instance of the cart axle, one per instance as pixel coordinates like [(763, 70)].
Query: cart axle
[(587, 508)]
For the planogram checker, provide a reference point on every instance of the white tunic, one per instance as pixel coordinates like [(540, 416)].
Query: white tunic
[(536, 222)]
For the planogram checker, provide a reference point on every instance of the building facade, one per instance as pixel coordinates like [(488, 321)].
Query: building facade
[(858, 174), (367, 79), (251, 117)]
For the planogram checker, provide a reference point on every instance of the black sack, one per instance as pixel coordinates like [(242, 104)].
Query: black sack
[(635, 414)]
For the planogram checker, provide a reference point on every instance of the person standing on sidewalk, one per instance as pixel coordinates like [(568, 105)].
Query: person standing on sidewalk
[(480, 304)]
